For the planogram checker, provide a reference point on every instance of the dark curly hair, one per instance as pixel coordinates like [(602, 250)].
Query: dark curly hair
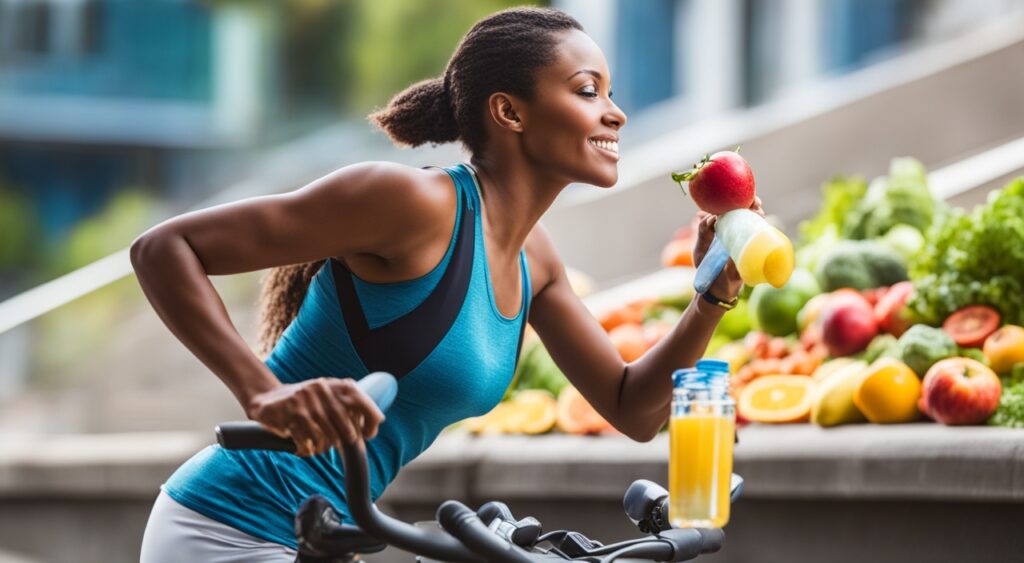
[(501, 53)]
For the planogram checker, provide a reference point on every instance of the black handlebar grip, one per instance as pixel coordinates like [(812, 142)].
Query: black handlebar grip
[(458, 520), (251, 435), (494, 509), (711, 539)]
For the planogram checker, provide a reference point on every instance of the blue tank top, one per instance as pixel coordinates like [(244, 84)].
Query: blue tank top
[(462, 373)]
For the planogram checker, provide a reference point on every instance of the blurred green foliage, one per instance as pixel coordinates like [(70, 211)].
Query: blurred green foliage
[(395, 43), (92, 323), (19, 231), (124, 217)]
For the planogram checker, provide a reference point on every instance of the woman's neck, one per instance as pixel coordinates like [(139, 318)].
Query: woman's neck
[(515, 197)]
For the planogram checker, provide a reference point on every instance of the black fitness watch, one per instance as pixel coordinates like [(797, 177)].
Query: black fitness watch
[(727, 305)]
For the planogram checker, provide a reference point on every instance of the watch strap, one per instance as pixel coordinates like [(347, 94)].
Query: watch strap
[(727, 305)]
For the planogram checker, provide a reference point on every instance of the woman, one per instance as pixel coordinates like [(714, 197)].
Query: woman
[(427, 273)]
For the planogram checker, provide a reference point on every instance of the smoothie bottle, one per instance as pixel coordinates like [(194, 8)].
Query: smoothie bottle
[(762, 253), (702, 432)]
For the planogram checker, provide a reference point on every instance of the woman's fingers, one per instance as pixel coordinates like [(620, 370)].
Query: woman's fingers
[(319, 413), (705, 234), (302, 434), (756, 206), (341, 416)]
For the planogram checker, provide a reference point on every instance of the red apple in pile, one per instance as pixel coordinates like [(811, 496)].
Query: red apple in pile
[(720, 183), (847, 323), (960, 391), (890, 311)]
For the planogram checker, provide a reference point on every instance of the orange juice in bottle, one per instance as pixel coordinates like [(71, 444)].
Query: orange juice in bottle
[(701, 433)]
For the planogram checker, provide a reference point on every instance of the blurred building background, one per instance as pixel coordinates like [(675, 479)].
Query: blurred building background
[(117, 114), (115, 106)]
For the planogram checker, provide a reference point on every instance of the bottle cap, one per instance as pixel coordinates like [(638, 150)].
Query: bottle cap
[(684, 375), (713, 365)]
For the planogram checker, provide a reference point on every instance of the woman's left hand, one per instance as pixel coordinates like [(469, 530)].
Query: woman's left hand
[(728, 284)]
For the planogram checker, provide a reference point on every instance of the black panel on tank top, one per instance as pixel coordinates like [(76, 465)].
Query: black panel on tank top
[(401, 345)]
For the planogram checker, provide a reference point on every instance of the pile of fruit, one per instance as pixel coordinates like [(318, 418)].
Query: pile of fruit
[(900, 309)]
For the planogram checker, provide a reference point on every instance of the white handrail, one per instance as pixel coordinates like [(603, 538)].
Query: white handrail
[(977, 170), (46, 297)]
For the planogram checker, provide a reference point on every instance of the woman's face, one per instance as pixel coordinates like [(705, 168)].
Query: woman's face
[(572, 125)]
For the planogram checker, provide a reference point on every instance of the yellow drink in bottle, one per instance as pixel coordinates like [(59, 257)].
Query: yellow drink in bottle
[(700, 470), (702, 432)]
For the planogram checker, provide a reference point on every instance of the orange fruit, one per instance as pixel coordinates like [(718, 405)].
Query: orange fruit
[(777, 398), (575, 415), (629, 340), (1004, 348), (678, 252), (888, 392)]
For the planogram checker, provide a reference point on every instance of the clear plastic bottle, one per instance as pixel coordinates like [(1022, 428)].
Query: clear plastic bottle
[(702, 432)]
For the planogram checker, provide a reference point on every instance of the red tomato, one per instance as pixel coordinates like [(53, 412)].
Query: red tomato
[(971, 325)]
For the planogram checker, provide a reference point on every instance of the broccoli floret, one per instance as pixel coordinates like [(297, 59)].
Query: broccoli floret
[(860, 265), (1010, 411), (886, 265), (883, 346), (921, 346)]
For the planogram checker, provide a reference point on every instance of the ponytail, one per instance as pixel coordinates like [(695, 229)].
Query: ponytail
[(420, 114), (281, 295)]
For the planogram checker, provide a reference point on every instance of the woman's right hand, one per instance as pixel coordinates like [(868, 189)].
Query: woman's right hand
[(317, 414)]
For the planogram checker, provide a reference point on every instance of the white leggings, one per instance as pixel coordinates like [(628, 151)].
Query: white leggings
[(175, 534)]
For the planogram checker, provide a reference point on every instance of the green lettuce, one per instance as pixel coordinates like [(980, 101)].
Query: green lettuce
[(973, 258)]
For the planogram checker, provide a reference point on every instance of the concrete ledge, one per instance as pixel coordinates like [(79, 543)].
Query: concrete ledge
[(92, 465), (910, 493), (912, 461)]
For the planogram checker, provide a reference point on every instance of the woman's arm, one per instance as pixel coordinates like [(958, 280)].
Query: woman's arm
[(635, 397), (350, 211)]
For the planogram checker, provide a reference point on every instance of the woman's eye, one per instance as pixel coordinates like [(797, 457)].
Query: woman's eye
[(589, 92)]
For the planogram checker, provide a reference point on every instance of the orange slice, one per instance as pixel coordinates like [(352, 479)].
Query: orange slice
[(777, 398), (534, 412), (576, 415)]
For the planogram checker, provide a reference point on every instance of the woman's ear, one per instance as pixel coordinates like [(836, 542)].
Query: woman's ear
[(505, 111)]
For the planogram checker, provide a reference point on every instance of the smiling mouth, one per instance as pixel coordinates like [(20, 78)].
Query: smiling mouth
[(610, 147)]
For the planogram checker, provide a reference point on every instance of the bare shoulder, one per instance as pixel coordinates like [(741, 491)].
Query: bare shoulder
[(408, 204), (416, 194)]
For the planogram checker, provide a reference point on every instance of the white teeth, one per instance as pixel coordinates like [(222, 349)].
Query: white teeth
[(611, 146)]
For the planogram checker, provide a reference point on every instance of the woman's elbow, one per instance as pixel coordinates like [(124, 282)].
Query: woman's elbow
[(144, 246), (640, 433)]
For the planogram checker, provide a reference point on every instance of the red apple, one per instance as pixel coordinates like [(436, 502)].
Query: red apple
[(961, 391), (847, 324), (890, 311), (720, 183)]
